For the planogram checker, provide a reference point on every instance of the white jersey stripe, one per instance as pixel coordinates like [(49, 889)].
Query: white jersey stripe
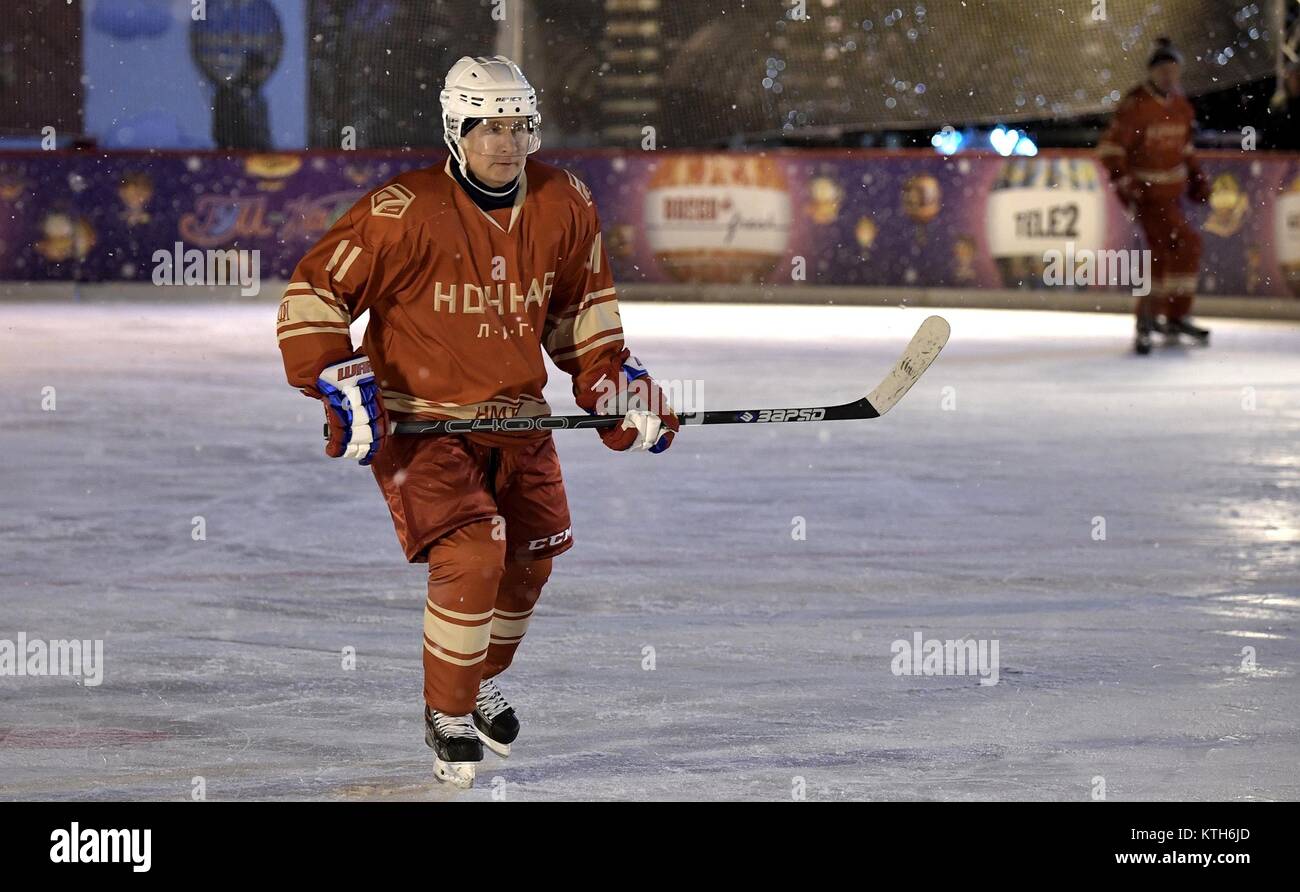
[(347, 264), (338, 252)]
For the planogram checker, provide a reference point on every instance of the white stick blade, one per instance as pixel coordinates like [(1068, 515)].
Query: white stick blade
[(924, 347)]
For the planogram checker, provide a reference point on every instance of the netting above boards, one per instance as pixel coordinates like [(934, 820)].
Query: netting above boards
[(861, 64), (704, 73)]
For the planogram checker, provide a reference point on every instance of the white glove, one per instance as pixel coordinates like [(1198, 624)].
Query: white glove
[(648, 426)]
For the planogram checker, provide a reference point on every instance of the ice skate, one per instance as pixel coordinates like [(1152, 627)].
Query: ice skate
[(1142, 340), (458, 750), (1185, 326), (494, 719)]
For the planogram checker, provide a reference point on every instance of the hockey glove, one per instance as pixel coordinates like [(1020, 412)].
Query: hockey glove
[(624, 387), (354, 409)]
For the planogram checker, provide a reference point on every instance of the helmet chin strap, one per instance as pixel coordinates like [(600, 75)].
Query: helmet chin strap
[(474, 181)]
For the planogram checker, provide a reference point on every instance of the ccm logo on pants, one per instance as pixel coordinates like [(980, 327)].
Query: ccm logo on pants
[(550, 541)]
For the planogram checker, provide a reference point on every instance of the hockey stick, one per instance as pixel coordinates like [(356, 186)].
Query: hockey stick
[(921, 351)]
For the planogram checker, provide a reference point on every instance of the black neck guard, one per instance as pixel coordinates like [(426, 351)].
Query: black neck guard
[(475, 189)]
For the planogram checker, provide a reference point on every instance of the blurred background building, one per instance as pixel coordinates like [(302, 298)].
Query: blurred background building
[(292, 74)]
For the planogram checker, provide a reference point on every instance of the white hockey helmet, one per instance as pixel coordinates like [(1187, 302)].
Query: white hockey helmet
[(482, 87)]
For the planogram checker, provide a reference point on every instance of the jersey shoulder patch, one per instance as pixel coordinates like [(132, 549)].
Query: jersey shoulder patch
[(391, 201)]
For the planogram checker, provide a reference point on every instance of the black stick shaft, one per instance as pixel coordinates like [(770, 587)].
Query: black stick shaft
[(857, 409)]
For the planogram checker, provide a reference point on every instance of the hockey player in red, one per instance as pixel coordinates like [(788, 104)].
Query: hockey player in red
[(1148, 151), (469, 270)]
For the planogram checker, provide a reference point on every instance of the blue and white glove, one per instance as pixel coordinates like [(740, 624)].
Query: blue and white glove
[(621, 385), (354, 409)]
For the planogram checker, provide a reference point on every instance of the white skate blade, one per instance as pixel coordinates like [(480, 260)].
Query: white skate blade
[(501, 749), (458, 774)]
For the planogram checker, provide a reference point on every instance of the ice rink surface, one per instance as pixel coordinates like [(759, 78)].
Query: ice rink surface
[(971, 510)]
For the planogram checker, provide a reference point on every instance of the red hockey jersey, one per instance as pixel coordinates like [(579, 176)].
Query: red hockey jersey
[(1148, 145), (462, 301)]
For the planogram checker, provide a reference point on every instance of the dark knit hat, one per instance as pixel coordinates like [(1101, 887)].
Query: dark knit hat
[(1164, 52)]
